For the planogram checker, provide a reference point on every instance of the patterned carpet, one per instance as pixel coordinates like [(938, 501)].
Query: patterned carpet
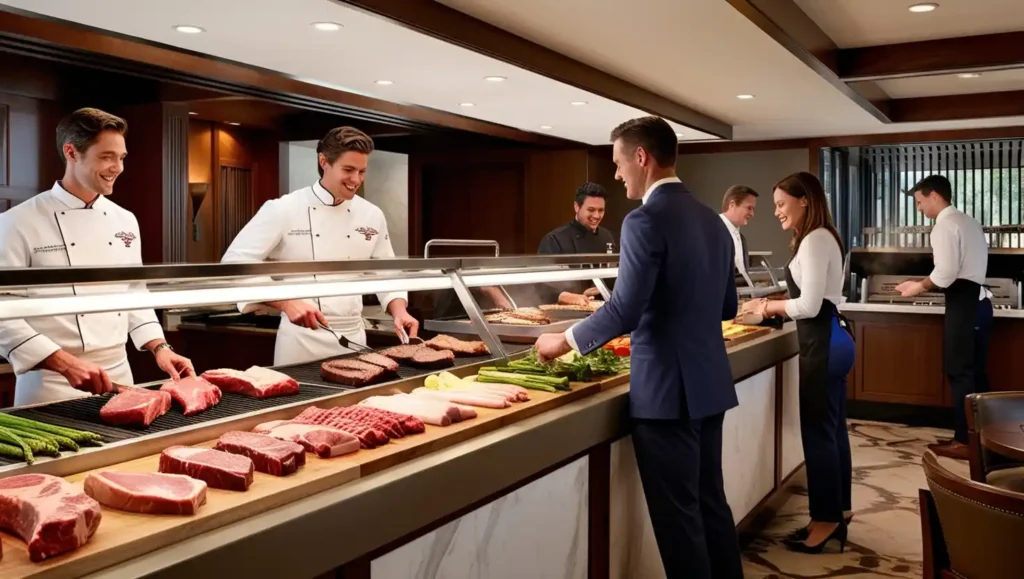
[(885, 535)]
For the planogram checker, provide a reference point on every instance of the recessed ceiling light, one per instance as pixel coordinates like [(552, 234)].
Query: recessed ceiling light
[(466, 105), (969, 75), (546, 127), (233, 123), (578, 103), (385, 82), (745, 97), (923, 7), (188, 29), (495, 78), (327, 26), (193, 113)]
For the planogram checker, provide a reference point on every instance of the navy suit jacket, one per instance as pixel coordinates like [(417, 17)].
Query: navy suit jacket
[(674, 289)]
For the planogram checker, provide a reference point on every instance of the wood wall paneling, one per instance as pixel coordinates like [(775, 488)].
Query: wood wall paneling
[(175, 183), (4, 145), (899, 360), (202, 247), (551, 183), (1005, 362), (32, 161), (601, 170), (140, 187)]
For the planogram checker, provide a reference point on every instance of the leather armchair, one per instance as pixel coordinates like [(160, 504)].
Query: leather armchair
[(989, 463)]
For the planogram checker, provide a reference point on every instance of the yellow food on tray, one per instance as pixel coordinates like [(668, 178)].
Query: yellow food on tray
[(732, 330)]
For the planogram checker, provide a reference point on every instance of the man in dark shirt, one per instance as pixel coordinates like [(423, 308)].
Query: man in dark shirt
[(583, 234)]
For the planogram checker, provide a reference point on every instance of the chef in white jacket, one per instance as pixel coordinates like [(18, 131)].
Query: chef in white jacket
[(326, 221), (74, 224)]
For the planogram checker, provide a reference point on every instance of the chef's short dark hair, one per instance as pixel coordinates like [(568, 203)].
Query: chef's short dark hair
[(736, 194), (341, 140), (934, 184), (590, 189), (83, 127), (655, 135)]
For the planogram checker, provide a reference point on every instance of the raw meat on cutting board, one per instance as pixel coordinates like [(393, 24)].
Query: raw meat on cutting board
[(135, 407), (151, 493), (48, 513), (256, 382), (324, 441), (220, 470), (269, 454), (193, 393)]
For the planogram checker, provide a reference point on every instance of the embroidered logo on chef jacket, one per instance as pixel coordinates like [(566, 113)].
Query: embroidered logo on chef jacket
[(299, 232), (126, 237), (48, 248), (367, 232)]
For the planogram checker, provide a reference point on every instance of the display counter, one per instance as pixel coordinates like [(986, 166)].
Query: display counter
[(548, 489)]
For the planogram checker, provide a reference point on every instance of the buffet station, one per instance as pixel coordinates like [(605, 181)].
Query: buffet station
[(899, 340), (416, 457)]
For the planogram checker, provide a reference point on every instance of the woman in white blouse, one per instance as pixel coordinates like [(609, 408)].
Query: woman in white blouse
[(814, 278)]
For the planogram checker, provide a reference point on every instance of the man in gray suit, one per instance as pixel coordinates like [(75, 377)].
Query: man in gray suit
[(738, 209)]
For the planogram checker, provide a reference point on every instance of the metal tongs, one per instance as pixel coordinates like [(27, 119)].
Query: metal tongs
[(405, 339), (342, 340)]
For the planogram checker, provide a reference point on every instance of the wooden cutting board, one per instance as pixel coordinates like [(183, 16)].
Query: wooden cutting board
[(123, 536)]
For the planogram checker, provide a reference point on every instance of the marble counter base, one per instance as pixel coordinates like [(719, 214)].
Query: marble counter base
[(538, 531), (792, 445)]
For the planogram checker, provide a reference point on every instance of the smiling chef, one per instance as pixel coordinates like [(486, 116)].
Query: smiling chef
[(74, 224), (326, 221)]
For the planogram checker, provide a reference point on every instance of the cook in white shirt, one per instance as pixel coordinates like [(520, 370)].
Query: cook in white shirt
[(737, 210), (326, 221), (960, 253), (75, 224)]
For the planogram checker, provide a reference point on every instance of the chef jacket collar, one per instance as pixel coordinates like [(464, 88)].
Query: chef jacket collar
[(583, 228), (657, 184), (73, 202), (324, 196)]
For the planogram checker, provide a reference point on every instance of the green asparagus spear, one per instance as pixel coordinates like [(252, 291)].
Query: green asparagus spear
[(11, 438), (8, 451)]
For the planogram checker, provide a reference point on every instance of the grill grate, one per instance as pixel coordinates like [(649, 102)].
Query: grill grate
[(309, 373)]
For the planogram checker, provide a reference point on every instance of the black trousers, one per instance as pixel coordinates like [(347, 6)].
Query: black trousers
[(680, 463), (966, 360)]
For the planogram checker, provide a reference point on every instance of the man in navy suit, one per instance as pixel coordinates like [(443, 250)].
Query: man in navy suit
[(674, 288)]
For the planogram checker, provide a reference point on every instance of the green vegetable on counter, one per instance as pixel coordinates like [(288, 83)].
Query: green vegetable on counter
[(66, 438), (8, 451), (491, 374), (9, 437)]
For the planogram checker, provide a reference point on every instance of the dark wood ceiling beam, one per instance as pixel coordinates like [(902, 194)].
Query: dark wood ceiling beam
[(955, 107), (79, 45), (932, 57), (447, 24), (795, 31)]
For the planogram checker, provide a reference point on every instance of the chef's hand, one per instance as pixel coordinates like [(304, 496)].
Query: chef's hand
[(403, 320), (592, 292), (175, 365), (571, 299), (301, 313), (80, 374), (551, 346), (910, 288)]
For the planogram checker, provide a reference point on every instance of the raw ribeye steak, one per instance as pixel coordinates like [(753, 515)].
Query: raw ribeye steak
[(135, 407), (256, 382), (269, 454), (220, 470), (194, 394), (151, 493), (324, 441), (48, 513)]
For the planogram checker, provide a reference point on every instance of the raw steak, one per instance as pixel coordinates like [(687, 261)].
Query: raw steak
[(380, 360), (220, 470), (460, 347), (324, 441), (48, 513), (269, 454), (350, 372), (429, 358), (135, 407), (151, 493), (194, 394), (256, 382)]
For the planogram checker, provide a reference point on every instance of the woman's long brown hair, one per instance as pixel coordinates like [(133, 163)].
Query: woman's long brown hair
[(803, 185)]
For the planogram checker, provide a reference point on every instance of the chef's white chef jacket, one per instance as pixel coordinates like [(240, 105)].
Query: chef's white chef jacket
[(55, 228), (306, 225), (959, 249)]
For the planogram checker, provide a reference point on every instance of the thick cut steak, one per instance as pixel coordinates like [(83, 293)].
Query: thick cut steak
[(194, 394), (48, 513), (269, 454), (402, 353), (350, 372), (324, 441), (135, 407), (151, 493), (256, 382), (220, 470), (460, 347), (429, 358), (380, 360)]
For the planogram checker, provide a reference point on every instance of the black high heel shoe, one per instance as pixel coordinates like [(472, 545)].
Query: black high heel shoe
[(840, 533), (802, 533)]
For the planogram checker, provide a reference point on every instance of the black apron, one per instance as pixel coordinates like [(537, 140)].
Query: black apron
[(958, 329), (814, 335)]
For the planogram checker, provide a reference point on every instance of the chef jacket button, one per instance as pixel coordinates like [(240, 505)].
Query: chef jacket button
[(72, 244), (349, 210), (349, 236), (110, 243), (318, 235)]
